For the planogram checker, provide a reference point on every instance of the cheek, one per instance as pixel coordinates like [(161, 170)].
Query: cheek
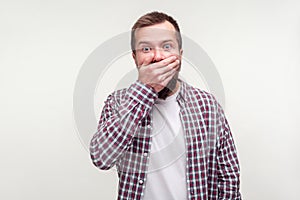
[(169, 54), (140, 58), (175, 52)]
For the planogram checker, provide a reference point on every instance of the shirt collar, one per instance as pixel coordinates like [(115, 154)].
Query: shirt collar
[(183, 91)]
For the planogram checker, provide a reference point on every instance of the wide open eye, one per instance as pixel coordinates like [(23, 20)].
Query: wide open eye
[(167, 47), (146, 49)]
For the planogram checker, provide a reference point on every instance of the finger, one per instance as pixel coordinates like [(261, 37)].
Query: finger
[(168, 78), (162, 78), (169, 67), (170, 74), (165, 72), (166, 61)]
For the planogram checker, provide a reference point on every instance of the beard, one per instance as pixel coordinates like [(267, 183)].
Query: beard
[(166, 91)]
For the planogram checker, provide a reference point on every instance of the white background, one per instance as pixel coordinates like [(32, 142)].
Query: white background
[(43, 44)]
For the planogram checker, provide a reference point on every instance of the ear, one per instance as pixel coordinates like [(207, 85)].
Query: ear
[(134, 58), (180, 56)]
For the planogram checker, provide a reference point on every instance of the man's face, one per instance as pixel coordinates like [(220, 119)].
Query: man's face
[(156, 42)]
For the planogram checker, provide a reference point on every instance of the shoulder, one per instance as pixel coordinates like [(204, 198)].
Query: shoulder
[(116, 96), (199, 95), (203, 101)]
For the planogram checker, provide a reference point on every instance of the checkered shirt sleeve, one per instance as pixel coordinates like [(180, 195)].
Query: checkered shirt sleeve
[(228, 166), (119, 122)]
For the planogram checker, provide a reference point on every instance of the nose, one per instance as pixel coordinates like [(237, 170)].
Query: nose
[(158, 55)]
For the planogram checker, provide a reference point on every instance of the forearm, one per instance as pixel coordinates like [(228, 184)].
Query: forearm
[(228, 164), (229, 171), (119, 123)]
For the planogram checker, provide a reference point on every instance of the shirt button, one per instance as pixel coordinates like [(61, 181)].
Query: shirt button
[(141, 182), (145, 154), (149, 126)]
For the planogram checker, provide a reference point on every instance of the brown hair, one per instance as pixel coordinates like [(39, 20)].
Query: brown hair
[(153, 18)]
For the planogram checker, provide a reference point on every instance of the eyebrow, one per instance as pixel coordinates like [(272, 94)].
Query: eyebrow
[(148, 42)]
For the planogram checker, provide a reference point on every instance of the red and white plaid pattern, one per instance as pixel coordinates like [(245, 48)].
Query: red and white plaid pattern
[(123, 139)]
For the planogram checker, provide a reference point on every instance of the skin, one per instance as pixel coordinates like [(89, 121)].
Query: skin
[(157, 56)]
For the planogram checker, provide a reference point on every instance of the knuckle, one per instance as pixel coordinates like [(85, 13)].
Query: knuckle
[(156, 73), (164, 62), (160, 78), (150, 69)]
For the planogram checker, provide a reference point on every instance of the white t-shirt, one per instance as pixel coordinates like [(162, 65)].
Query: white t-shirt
[(166, 176)]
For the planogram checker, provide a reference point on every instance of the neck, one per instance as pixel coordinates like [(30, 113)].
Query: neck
[(175, 89), (169, 89)]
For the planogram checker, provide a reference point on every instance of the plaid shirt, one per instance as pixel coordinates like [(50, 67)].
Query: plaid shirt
[(123, 139)]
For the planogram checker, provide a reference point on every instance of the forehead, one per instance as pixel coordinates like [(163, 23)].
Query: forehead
[(157, 32)]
